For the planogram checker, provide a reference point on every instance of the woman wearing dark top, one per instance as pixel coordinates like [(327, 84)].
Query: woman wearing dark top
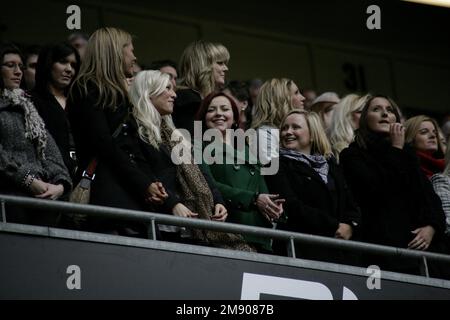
[(317, 199), (57, 67), (202, 68), (98, 105), (398, 205)]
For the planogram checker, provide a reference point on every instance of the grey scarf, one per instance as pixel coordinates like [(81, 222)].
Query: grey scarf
[(317, 162), (34, 125)]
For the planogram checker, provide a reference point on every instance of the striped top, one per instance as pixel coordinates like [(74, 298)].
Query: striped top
[(441, 184)]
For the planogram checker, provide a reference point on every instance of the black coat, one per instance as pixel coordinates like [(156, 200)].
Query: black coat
[(159, 162), (119, 182), (394, 195), (56, 122), (311, 205), (185, 109)]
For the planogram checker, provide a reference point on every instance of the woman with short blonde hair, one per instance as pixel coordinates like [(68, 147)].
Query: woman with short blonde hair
[(203, 66), (317, 199), (197, 66), (319, 142)]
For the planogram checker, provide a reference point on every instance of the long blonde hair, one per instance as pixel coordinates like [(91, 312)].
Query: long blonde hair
[(148, 84), (196, 65), (341, 131), (103, 65), (319, 141), (273, 103)]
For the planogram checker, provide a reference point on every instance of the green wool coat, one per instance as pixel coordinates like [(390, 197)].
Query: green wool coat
[(239, 180)]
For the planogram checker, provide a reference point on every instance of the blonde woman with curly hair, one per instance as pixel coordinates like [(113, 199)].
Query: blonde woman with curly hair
[(317, 199), (203, 66), (345, 121), (276, 98), (422, 133)]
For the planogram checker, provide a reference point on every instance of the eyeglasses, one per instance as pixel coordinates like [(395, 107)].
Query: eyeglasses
[(13, 65)]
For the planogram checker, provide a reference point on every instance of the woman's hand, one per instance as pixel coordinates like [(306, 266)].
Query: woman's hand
[(272, 210), (38, 187), (54, 191), (397, 133), (180, 210), (220, 213), (156, 193), (423, 238), (344, 231)]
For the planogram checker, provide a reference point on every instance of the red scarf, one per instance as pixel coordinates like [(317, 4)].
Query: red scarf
[(429, 164)]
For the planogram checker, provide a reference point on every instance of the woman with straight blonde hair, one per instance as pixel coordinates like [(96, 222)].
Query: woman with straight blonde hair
[(99, 108), (202, 71), (276, 98), (345, 121), (317, 199), (422, 133)]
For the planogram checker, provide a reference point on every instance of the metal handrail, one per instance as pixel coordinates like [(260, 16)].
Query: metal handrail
[(152, 218)]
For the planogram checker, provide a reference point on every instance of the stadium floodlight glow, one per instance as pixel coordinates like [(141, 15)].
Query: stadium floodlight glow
[(440, 3)]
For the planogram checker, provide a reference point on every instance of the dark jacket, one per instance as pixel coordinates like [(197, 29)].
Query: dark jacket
[(119, 182), (185, 109), (394, 195), (312, 206), (159, 162), (56, 122)]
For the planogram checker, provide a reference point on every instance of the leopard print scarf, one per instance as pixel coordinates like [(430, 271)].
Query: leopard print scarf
[(199, 199)]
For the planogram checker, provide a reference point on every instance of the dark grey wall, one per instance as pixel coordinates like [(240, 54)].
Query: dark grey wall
[(308, 41), (36, 267)]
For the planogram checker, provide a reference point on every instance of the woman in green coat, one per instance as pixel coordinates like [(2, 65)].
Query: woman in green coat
[(235, 170)]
